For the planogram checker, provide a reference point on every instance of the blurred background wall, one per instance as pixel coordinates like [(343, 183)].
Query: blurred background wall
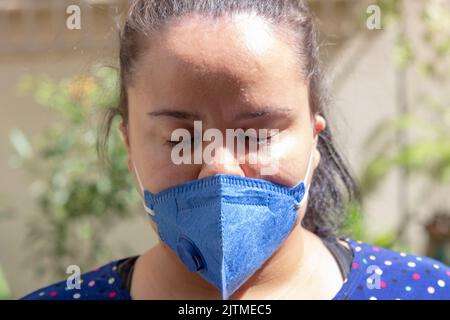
[(367, 84)]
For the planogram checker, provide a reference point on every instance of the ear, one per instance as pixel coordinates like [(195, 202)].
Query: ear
[(320, 125), (126, 140)]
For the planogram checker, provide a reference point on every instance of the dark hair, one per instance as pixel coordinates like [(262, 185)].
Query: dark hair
[(332, 186)]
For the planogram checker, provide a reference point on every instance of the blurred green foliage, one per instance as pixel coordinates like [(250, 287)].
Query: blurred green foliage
[(80, 198), (428, 156), (5, 293), (427, 152), (5, 213)]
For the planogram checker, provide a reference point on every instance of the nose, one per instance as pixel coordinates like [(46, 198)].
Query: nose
[(222, 161)]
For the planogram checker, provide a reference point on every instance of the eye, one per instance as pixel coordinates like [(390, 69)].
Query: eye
[(264, 140), (259, 139), (173, 143), (190, 142)]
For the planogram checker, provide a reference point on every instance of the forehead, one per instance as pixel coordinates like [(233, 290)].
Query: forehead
[(244, 47)]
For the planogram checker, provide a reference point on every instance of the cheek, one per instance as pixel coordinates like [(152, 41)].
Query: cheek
[(147, 145), (287, 160), (152, 159)]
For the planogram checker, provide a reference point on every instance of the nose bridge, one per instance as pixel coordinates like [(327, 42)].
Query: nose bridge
[(222, 161)]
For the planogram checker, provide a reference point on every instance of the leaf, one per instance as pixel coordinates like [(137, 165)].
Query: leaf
[(20, 142)]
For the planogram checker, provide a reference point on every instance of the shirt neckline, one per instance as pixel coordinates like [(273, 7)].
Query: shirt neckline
[(355, 274), (349, 285)]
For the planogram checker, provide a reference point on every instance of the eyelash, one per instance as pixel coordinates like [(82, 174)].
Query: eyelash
[(174, 143), (266, 141)]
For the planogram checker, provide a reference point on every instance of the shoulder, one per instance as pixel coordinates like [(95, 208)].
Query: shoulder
[(103, 283), (380, 273)]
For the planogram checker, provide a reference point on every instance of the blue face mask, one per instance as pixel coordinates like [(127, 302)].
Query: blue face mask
[(225, 227)]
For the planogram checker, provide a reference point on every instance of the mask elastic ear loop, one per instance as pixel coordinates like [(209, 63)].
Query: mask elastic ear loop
[(305, 181), (141, 186)]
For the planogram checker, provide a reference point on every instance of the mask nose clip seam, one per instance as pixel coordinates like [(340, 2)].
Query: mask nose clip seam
[(150, 211)]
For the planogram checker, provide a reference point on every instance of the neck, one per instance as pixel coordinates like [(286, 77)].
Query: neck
[(292, 264)]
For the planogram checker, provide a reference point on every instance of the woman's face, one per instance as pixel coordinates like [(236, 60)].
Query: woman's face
[(231, 73)]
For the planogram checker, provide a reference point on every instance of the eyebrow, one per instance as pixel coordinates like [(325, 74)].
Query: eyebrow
[(264, 112), (175, 114), (267, 111)]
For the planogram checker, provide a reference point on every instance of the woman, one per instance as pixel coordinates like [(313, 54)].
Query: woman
[(227, 229)]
